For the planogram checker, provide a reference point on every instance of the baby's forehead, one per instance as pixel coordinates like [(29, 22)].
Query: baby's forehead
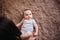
[(27, 12)]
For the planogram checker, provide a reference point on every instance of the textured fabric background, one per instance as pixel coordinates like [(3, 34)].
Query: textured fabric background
[(46, 13), (0, 7)]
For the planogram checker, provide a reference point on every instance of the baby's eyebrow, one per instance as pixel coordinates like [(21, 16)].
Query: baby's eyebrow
[(26, 14)]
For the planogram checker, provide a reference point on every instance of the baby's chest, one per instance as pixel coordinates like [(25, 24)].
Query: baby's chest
[(27, 22)]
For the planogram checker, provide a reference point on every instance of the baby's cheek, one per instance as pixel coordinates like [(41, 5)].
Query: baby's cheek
[(31, 16), (26, 16)]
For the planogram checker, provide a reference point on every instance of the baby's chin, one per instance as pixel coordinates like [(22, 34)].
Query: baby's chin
[(31, 17)]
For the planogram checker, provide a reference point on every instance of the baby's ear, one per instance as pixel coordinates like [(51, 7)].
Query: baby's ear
[(33, 12)]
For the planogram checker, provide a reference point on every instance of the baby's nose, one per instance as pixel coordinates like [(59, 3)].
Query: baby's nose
[(28, 15)]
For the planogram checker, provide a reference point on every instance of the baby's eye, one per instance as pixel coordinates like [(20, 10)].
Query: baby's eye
[(30, 14)]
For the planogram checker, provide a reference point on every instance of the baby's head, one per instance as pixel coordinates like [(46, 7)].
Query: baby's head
[(27, 14)]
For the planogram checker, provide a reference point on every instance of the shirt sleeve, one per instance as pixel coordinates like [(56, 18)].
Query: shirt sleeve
[(34, 22)]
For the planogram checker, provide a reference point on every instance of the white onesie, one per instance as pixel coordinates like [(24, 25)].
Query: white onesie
[(27, 25)]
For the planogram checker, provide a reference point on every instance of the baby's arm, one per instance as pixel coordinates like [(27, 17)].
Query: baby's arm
[(36, 29), (19, 24)]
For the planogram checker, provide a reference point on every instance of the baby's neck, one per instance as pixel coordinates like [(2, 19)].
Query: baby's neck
[(27, 19)]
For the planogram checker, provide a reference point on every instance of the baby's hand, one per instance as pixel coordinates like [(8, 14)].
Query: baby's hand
[(35, 34)]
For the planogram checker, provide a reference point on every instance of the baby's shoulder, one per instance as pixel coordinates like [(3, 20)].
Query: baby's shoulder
[(33, 19)]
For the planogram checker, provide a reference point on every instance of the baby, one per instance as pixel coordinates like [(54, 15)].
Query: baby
[(29, 26)]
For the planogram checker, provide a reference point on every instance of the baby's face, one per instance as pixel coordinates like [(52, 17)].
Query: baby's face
[(28, 14)]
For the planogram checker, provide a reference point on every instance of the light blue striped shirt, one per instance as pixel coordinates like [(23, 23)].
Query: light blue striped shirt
[(27, 25)]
